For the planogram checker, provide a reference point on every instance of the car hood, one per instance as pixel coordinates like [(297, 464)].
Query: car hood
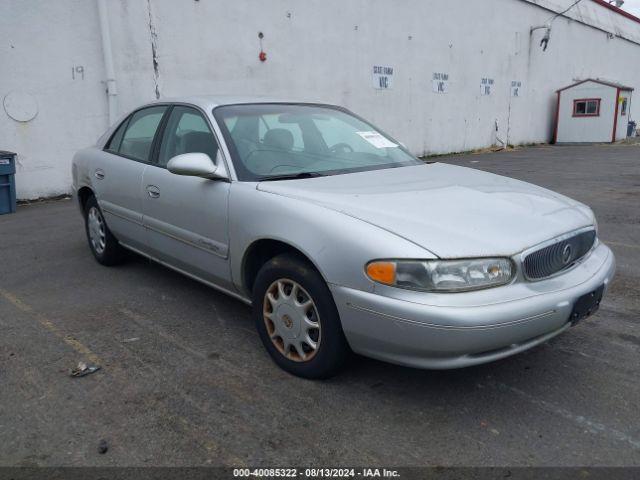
[(449, 210)]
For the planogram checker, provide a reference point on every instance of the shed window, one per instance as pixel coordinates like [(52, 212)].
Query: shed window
[(586, 107), (623, 106)]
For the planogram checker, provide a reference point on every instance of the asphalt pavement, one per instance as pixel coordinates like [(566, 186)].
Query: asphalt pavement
[(184, 379)]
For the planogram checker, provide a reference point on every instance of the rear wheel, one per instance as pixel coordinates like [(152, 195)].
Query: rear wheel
[(297, 319), (103, 244)]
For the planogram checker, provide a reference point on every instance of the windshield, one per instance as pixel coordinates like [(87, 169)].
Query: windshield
[(272, 141)]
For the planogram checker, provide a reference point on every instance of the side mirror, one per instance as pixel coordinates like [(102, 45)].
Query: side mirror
[(197, 165)]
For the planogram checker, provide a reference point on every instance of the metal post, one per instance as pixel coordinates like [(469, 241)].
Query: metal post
[(112, 90)]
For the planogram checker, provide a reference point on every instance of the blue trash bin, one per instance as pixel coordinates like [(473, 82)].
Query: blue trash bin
[(631, 129), (7, 182)]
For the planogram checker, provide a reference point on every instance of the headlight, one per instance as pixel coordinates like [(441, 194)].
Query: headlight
[(442, 275)]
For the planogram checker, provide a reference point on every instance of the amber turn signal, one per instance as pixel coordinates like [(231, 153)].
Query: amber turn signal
[(382, 272)]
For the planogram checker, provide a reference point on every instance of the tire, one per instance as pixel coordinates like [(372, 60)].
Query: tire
[(105, 247), (283, 278)]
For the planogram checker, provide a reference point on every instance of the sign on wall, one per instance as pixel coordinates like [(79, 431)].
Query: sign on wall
[(440, 82), (516, 88), (486, 86), (382, 77)]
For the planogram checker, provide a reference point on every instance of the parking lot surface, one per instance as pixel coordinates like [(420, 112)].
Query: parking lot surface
[(184, 379)]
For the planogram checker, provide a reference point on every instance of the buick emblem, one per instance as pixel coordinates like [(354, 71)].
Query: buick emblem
[(566, 253), (286, 319)]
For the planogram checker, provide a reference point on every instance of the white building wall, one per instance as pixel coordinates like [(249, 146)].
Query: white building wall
[(41, 42), (321, 50), (587, 129)]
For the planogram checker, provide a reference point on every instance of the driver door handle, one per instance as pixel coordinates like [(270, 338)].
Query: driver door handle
[(153, 191)]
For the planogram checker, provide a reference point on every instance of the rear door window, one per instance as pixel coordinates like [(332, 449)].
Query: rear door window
[(116, 139), (138, 138)]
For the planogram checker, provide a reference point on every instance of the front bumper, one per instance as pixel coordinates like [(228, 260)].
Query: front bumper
[(442, 331)]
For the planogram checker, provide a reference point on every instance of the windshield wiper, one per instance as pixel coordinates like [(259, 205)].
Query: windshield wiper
[(293, 176)]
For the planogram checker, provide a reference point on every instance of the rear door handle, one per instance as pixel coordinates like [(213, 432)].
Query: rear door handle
[(99, 174), (153, 191)]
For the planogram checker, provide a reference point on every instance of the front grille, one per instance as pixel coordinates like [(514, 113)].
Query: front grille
[(559, 256)]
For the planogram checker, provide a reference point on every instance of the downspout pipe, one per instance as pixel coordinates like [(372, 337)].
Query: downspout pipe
[(107, 53)]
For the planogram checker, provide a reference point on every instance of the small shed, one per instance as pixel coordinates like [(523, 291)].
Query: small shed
[(592, 111)]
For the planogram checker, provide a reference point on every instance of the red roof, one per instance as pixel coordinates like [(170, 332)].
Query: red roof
[(624, 13), (597, 80)]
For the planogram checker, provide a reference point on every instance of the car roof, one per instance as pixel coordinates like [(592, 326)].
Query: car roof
[(208, 102)]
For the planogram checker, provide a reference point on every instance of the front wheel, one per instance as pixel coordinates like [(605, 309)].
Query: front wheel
[(297, 319), (103, 244)]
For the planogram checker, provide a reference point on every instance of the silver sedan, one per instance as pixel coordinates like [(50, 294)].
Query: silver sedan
[(340, 239)]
